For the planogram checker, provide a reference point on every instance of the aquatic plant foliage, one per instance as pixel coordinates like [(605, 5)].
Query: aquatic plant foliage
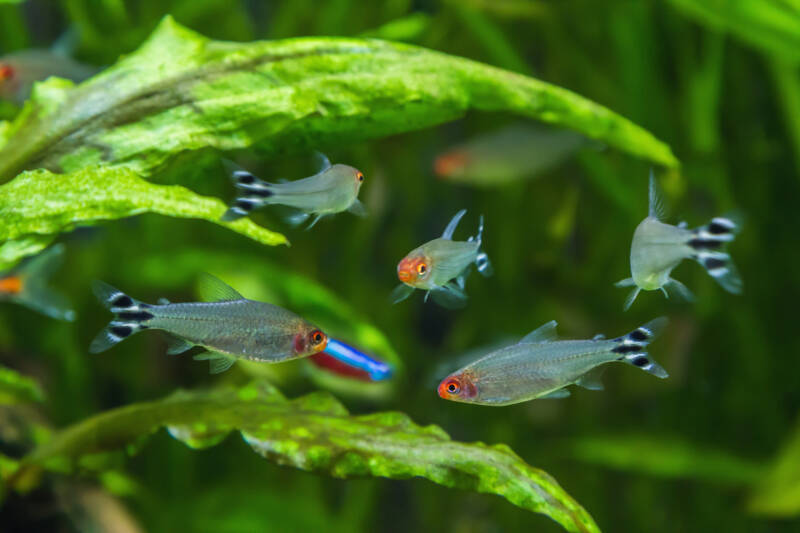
[(314, 433)]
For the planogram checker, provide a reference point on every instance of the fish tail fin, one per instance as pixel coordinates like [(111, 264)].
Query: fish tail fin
[(632, 348), (252, 192), (33, 289), (130, 316), (706, 243), (482, 262)]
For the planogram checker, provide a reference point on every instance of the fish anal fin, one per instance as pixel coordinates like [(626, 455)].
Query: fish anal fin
[(213, 289), (449, 296), (544, 333), (217, 362), (591, 379), (555, 395), (177, 345)]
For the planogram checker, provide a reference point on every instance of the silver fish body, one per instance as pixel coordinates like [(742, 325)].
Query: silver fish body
[(441, 265), (539, 366), (247, 329), (25, 67), (332, 190), (657, 248), (230, 327)]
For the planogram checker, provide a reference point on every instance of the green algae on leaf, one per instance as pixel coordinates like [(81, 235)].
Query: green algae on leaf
[(778, 492), (181, 91), (316, 433), (38, 205)]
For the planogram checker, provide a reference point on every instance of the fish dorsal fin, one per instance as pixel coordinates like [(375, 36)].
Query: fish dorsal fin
[(657, 209), (451, 227), (545, 333), (323, 163), (213, 289)]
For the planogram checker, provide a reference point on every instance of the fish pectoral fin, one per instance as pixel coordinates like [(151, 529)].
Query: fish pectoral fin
[(591, 379), (357, 208), (176, 345), (163, 301), (627, 282), (449, 296), (217, 362), (213, 289), (544, 333), (316, 219), (555, 395), (630, 299), (400, 293)]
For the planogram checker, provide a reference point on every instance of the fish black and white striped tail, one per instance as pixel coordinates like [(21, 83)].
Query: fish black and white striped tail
[(632, 348), (482, 262), (130, 316), (253, 193), (707, 243)]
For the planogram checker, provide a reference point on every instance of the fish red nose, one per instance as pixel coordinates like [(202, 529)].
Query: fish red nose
[(405, 270), (404, 276)]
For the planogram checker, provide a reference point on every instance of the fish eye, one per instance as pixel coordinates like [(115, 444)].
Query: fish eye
[(6, 72), (316, 337), (359, 176), (453, 387), (421, 269)]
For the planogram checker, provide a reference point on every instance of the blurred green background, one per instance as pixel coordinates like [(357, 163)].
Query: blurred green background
[(683, 454)]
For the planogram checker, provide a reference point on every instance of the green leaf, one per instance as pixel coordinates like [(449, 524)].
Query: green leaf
[(778, 492), (316, 433), (181, 91), (85, 197), (771, 25), (16, 388), (666, 457)]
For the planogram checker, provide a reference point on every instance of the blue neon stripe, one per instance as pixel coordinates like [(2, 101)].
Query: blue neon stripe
[(377, 370)]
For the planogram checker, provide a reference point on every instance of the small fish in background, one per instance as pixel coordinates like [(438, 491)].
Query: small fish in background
[(440, 267), (19, 70), (657, 248), (331, 190), (541, 366), (506, 155), (342, 359), (227, 324), (26, 285)]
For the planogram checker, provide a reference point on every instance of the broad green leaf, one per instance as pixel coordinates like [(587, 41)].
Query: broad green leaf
[(771, 25), (315, 433), (181, 91), (86, 197), (16, 388), (778, 492), (665, 456)]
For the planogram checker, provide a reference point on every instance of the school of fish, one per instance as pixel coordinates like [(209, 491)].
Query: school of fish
[(228, 326)]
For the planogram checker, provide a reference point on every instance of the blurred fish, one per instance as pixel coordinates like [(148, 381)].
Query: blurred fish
[(343, 359), (657, 248), (540, 366), (331, 190), (19, 70), (226, 324), (440, 267), (509, 154), (25, 285)]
